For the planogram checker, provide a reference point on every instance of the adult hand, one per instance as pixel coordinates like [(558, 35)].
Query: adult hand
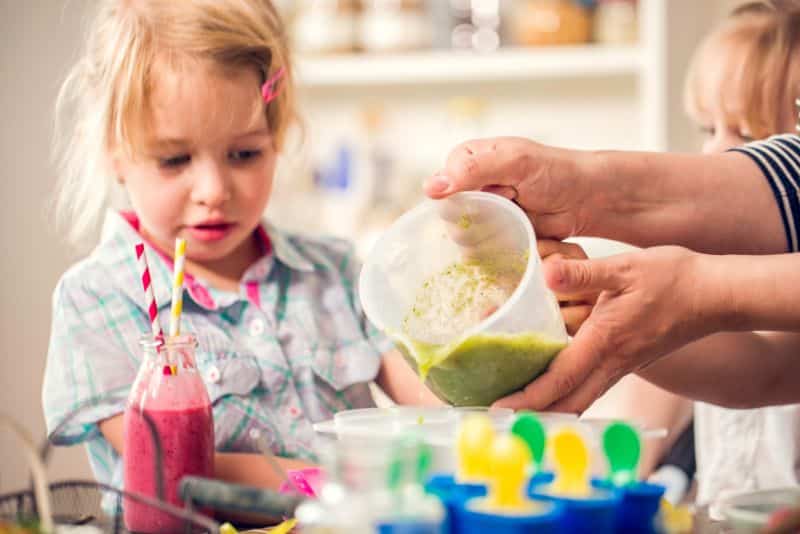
[(546, 182), (575, 309), (650, 303), (717, 203)]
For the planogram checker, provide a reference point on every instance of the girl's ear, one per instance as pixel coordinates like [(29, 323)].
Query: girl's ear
[(116, 167)]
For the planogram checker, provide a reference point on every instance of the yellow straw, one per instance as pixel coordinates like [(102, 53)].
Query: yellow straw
[(177, 288)]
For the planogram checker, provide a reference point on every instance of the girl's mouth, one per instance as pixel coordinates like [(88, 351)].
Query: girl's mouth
[(211, 231)]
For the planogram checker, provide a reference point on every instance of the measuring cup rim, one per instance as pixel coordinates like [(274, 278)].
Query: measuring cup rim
[(429, 204)]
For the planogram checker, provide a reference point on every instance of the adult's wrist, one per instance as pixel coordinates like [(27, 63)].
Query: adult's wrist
[(751, 292), (716, 304), (620, 203), (718, 204)]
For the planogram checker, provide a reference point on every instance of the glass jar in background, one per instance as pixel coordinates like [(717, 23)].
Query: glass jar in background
[(615, 22), (394, 26), (168, 431), (549, 22), (468, 24), (460, 29), (325, 26)]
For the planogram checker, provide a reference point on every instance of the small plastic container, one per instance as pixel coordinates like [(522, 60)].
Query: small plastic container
[(377, 427), (594, 514), (357, 496), (637, 511), (591, 515), (453, 496), (753, 511), (408, 527), (546, 520), (469, 356)]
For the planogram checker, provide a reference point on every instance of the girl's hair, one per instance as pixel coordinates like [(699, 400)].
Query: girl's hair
[(103, 102), (759, 46)]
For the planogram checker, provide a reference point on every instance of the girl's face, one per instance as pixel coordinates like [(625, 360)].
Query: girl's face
[(722, 117), (206, 171), (720, 135), (720, 107)]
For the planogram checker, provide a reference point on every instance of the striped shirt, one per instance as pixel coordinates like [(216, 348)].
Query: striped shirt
[(291, 348), (779, 160)]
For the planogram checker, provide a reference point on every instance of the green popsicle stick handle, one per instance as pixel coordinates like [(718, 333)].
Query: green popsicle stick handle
[(412, 454), (531, 430), (623, 448)]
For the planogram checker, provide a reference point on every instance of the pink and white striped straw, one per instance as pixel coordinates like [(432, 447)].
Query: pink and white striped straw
[(150, 299)]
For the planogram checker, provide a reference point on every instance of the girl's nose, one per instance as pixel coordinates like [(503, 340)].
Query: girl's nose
[(211, 187)]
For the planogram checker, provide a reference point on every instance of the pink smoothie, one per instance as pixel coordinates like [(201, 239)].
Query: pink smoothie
[(186, 429)]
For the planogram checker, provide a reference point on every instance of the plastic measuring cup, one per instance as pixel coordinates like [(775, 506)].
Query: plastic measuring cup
[(471, 360)]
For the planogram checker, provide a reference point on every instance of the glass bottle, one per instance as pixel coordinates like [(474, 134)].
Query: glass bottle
[(168, 431)]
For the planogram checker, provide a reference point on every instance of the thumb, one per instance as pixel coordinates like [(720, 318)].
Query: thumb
[(579, 277)]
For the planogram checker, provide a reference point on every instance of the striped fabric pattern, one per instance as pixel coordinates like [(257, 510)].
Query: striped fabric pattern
[(779, 160), (291, 348)]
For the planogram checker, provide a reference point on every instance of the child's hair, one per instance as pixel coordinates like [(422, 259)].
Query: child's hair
[(759, 47), (102, 104)]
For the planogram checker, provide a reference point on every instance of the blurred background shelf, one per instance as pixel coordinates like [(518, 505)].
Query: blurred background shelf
[(448, 67), (379, 119)]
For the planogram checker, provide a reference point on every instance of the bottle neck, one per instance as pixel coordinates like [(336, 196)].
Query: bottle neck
[(177, 351)]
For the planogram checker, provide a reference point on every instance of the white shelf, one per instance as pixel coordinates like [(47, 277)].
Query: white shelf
[(435, 67)]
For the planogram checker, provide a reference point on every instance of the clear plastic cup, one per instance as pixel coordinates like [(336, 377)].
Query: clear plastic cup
[(752, 511), (377, 428), (509, 327)]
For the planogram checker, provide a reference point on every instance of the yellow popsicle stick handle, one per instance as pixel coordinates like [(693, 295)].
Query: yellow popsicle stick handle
[(509, 458), (571, 459), (475, 437)]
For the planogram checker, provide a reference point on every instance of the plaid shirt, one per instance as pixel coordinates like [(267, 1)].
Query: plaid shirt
[(291, 348)]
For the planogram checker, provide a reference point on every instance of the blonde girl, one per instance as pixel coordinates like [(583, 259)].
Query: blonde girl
[(182, 109)]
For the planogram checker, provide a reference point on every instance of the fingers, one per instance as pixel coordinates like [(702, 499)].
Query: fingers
[(488, 311), (584, 395), (479, 230), (575, 316), (553, 250), (505, 191), (477, 164), (582, 277), (567, 372), (549, 247)]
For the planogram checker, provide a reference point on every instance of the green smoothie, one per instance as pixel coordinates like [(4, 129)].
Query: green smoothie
[(482, 368), (460, 297), (479, 369)]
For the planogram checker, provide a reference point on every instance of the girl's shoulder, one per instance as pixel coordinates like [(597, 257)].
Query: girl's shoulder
[(109, 272), (312, 253)]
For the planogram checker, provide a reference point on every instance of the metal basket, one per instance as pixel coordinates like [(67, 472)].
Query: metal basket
[(87, 503), (76, 502)]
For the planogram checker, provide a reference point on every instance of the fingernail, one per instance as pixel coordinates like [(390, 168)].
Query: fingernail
[(437, 184)]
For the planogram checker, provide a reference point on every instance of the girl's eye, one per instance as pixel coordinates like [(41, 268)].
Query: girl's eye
[(244, 155), (174, 161), (747, 138), (708, 130)]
